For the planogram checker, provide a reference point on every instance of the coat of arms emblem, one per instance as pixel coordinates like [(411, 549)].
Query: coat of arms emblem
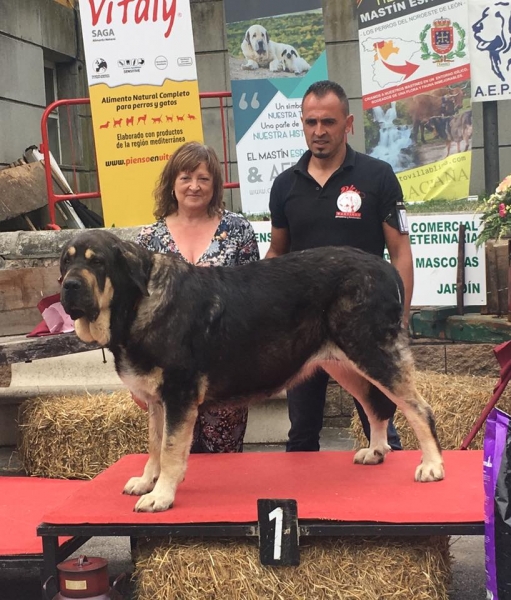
[(447, 42), (442, 36)]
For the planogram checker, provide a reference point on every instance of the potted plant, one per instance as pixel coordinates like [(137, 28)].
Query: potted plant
[(496, 213)]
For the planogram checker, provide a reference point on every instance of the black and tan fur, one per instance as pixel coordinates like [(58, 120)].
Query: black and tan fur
[(184, 335)]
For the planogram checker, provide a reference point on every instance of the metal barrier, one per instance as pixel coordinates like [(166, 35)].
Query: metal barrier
[(54, 198)]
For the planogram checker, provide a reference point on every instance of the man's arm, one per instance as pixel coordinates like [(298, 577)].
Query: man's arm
[(400, 251), (280, 242)]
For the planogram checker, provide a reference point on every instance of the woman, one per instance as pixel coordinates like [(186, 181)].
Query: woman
[(193, 225)]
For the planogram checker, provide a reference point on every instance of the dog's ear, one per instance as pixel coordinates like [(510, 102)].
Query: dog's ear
[(293, 52), (136, 263), (267, 36), (283, 53), (247, 38)]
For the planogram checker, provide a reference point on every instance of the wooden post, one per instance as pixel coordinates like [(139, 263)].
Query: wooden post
[(460, 273)]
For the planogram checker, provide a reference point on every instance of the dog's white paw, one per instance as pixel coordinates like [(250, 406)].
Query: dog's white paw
[(137, 486), (430, 471), (154, 502), (371, 456), (249, 67)]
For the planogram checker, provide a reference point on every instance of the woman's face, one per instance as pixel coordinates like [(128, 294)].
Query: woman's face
[(194, 190)]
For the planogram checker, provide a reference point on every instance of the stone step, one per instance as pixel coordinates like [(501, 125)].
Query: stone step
[(94, 372)]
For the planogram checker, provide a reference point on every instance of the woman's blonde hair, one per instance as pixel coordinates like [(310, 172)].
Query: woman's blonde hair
[(187, 158)]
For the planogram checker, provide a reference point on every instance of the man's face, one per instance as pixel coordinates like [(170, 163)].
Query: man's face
[(325, 125)]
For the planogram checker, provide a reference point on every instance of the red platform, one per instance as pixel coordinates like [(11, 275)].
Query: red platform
[(224, 488), (23, 500)]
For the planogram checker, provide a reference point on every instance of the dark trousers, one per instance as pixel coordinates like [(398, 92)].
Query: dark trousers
[(306, 404)]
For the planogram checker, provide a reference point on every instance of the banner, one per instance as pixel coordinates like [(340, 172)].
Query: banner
[(434, 241), (144, 97), (416, 93), (274, 55), (490, 45)]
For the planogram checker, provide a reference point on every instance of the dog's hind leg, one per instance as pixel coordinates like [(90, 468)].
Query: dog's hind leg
[(376, 406), (419, 415), (391, 371), (137, 486)]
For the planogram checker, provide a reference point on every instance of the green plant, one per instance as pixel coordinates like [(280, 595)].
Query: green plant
[(496, 213)]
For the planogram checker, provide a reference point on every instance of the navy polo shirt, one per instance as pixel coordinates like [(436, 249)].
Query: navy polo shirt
[(348, 211)]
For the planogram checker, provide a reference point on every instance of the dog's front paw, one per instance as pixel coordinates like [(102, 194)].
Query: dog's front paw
[(154, 502), (430, 471), (137, 486), (249, 67), (371, 456)]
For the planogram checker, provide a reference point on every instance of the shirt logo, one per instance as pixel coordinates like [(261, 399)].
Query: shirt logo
[(348, 203)]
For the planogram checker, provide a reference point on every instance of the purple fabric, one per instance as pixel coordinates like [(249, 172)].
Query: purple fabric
[(497, 427)]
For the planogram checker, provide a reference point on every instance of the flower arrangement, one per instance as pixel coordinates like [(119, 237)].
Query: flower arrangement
[(496, 213)]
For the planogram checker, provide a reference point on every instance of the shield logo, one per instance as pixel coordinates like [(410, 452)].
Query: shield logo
[(442, 36)]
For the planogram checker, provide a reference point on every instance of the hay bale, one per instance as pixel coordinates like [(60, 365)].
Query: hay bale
[(456, 400), (347, 568), (77, 437)]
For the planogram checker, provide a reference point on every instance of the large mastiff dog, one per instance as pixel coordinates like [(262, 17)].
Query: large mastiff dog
[(183, 335)]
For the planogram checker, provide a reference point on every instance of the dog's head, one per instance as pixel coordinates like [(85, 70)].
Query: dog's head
[(96, 266), (288, 57), (258, 38), (492, 32)]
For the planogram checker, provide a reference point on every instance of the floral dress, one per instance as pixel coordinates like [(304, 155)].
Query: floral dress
[(234, 243)]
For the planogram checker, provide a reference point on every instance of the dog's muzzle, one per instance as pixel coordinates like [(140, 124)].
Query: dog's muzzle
[(76, 298)]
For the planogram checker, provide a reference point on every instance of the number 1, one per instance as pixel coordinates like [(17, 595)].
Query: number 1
[(278, 515)]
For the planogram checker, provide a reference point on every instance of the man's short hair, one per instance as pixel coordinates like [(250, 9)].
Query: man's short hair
[(324, 87)]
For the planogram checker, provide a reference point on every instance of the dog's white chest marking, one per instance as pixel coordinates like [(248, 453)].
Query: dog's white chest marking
[(144, 387)]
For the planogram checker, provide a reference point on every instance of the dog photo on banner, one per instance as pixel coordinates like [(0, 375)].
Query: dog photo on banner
[(276, 50)]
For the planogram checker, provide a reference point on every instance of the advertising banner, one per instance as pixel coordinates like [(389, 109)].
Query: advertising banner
[(144, 97), (434, 240), (276, 50), (490, 49), (416, 93)]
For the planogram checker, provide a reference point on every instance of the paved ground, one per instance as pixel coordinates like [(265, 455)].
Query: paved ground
[(468, 552)]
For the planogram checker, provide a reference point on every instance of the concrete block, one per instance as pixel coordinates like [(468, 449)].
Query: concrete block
[(21, 127), (22, 19), (477, 119), (211, 73), (504, 124), (477, 172), (22, 69), (357, 140), (268, 422), (344, 67), (58, 30), (9, 432), (340, 20), (211, 123), (208, 26), (78, 370)]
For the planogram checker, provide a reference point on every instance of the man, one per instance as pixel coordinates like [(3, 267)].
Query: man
[(335, 196)]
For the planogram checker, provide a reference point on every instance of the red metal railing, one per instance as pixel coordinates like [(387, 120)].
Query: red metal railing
[(53, 198)]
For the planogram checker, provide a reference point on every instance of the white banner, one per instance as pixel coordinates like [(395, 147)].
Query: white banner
[(490, 49), (140, 43), (434, 241)]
